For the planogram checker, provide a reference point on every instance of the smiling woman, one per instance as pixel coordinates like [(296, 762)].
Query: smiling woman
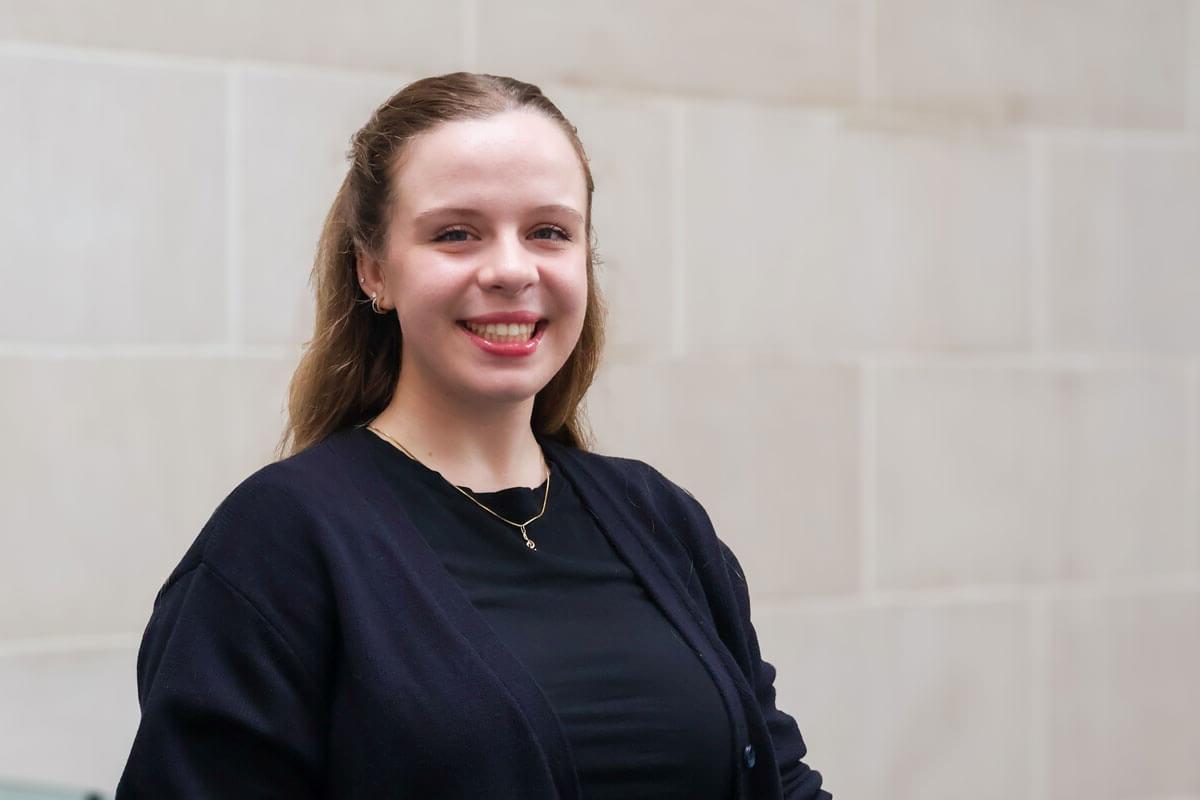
[(486, 226), (467, 196), (439, 590)]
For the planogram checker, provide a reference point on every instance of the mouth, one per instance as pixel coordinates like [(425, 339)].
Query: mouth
[(505, 334)]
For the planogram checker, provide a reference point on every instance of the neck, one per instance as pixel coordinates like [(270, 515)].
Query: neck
[(485, 447)]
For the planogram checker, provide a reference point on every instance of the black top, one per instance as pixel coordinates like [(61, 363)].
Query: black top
[(641, 713)]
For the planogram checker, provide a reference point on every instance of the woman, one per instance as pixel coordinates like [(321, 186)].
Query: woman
[(440, 592)]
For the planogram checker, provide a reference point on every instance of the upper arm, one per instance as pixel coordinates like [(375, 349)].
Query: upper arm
[(228, 709)]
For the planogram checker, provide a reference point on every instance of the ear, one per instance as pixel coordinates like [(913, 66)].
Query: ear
[(370, 277)]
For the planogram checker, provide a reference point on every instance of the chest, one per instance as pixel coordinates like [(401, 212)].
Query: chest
[(541, 680)]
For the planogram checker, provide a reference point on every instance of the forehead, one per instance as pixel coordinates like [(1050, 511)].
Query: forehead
[(508, 157)]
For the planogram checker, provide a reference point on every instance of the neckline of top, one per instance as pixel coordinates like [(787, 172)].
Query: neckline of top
[(499, 494)]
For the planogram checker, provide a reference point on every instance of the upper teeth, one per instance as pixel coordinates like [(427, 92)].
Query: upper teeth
[(501, 330)]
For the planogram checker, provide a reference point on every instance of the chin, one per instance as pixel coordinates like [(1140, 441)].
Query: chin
[(507, 391)]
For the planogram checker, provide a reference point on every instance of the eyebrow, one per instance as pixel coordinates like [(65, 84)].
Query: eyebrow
[(472, 212)]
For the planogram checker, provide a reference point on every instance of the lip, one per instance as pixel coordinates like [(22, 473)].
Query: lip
[(506, 317), (507, 349)]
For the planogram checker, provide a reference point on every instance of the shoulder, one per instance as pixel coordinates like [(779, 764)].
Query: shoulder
[(668, 510), (670, 498), (284, 495), (300, 481), (270, 525), (618, 469), (266, 548), (632, 480)]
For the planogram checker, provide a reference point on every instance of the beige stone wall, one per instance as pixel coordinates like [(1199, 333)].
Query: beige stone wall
[(906, 292)]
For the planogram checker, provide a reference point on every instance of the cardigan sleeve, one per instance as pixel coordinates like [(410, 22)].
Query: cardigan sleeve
[(798, 780), (227, 708)]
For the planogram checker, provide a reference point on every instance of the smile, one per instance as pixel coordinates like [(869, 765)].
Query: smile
[(502, 333), (505, 340)]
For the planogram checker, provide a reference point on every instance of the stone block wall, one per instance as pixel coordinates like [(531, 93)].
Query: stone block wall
[(906, 292)]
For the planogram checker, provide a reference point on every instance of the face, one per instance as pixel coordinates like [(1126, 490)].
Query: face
[(488, 219)]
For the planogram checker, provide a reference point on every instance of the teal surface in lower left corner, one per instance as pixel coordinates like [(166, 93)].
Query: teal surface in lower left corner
[(28, 791)]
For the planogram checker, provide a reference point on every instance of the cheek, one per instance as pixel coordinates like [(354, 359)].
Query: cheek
[(429, 285), (579, 295), (578, 285)]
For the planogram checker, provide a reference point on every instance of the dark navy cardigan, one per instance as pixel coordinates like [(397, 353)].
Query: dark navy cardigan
[(310, 644)]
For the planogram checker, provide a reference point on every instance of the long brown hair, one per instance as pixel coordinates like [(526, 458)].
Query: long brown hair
[(350, 366)]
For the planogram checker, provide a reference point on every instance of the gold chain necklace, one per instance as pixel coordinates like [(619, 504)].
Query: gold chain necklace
[(521, 525)]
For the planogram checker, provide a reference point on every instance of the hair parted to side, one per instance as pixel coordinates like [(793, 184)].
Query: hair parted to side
[(350, 366)]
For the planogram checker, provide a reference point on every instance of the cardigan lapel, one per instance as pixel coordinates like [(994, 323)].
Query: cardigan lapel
[(462, 614), (601, 497)]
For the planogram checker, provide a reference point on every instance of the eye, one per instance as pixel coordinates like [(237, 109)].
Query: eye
[(441, 236), (566, 237)]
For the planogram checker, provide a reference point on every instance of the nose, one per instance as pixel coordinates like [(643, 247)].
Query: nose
[(509, 266)]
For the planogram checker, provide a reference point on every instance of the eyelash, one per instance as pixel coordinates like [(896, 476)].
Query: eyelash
[(565, 236)]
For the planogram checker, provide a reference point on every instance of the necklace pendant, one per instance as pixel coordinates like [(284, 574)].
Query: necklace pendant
[(528, 542)]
